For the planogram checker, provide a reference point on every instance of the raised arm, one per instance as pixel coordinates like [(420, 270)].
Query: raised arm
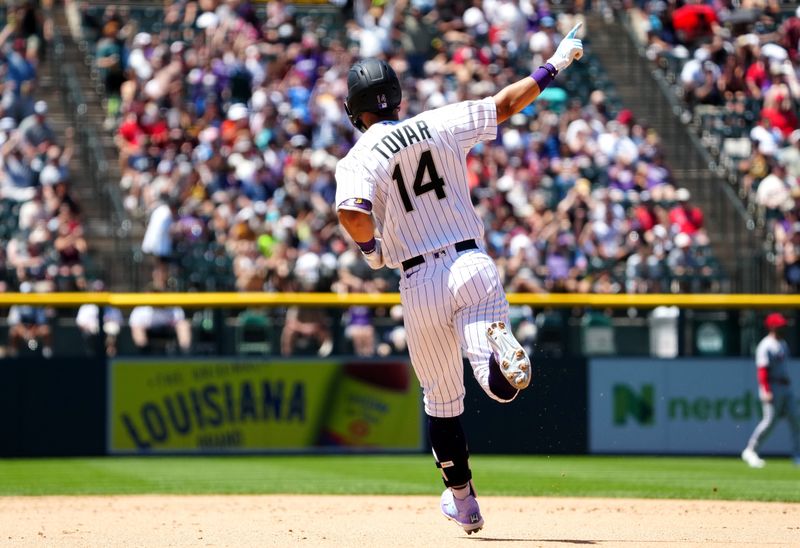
[(515, 97)]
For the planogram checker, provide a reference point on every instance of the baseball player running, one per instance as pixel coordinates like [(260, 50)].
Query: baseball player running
[(402, 195), (774, 390)]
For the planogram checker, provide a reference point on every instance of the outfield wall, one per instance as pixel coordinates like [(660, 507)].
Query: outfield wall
[(135, 406), (72, 407), (52, 407), (681, 406)]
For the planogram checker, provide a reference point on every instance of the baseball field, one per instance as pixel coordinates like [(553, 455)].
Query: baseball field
[(393, 501)]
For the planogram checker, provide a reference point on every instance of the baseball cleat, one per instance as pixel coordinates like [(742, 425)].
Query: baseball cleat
[(465, 513), (514, 362), (752, 459)]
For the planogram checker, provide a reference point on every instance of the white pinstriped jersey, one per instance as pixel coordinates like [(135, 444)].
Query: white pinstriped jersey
[(414, 174)]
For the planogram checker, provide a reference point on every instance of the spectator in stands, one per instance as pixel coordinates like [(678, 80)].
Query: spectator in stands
[(35, 129), (360, 330), (778, 111), (699, 77), (32, 212), (21, 63), (789, 156), (158, 237), (643, 268), (108, 54), (647, 213), (18, 178), (249, 267), (695, 22), (88, 321), (358, 319), (681, 261), (151, 324), (308, 324), (685, 217), (773, 191), (789, 258), (71, 247), (25, 254), (28, 326), (395, 341)]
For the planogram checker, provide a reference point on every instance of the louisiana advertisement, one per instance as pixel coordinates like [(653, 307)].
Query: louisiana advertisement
[(196, 406), (681, 406)]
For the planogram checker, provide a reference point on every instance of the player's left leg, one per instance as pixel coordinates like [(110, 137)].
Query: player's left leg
[(760, 433), (498, 361), (436, 357), (449, 444)]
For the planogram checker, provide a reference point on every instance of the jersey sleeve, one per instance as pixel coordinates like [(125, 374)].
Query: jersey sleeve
[(762, 354), (471, 122), (355, 186)]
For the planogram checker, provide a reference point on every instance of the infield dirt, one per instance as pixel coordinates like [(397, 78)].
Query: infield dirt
[(365, 522)]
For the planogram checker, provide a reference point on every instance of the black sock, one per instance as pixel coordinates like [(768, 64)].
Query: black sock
[(450, 449), (498, 384)]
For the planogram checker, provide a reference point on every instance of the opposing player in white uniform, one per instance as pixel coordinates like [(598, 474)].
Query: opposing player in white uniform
[(775, 391), (406, 182)]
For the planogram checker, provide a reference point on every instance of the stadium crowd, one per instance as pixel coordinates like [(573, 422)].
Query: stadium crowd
[(229, 125), (42, 245), (738, 68)]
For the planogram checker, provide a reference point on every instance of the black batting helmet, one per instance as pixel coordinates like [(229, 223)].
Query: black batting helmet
[(372, 86)]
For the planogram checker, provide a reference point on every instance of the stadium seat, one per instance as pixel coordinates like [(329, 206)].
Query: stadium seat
[(253, 333)]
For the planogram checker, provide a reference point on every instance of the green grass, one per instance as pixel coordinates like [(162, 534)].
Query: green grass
[(647, 477)]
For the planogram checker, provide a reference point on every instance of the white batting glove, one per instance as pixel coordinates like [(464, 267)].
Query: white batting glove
[(568, 50), (374, 258)]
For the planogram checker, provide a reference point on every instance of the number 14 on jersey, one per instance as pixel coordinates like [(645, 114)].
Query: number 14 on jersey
[(435, 182)]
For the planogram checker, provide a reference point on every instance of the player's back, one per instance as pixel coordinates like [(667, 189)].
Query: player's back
[(414, 173)]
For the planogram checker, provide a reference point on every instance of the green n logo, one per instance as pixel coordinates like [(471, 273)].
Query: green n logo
[(639, 406)]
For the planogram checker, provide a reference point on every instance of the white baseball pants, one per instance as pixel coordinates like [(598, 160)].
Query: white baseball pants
[(782, 405), (449, 302)]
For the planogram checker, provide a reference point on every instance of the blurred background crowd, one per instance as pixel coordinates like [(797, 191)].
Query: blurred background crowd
[(229, 125), (41, 235), (42, 243), (736, 65), (228, 121)]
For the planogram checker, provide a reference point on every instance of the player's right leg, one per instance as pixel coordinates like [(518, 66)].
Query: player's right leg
[(499, 362), (515, 365)]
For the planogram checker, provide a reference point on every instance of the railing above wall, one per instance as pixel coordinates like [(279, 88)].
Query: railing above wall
[(261, 299)]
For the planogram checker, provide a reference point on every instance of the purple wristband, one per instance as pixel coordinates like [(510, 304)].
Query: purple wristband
[(544, 75), (367, 247), (356, 204)]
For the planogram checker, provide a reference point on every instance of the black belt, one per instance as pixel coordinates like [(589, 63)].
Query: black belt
[(419, 259)]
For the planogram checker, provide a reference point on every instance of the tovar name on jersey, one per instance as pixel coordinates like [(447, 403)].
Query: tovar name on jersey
[(401, 137)]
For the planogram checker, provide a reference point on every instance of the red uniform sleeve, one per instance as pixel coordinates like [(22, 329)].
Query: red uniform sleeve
[(763, 380)]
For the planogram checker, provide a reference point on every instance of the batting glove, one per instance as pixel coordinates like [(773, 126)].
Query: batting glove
[(568, 50), (374, 257)]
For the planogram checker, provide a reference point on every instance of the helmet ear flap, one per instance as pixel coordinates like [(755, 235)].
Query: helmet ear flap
[(355, 120)]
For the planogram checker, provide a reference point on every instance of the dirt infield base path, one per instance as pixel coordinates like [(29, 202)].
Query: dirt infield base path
[(367, 522)]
